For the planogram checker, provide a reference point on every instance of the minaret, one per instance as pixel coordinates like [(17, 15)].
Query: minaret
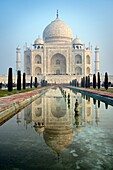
[(97, 60), (97, 112), (18, 59)]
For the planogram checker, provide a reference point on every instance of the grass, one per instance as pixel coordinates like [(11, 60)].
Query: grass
[(4, 93), (108, 90), (103, 89)]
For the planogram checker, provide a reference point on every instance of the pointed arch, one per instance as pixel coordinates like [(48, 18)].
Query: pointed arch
[(38, 59), (87, 59), (78, 71), (38, 71), (87, 70), (78, 59), (58, 64)]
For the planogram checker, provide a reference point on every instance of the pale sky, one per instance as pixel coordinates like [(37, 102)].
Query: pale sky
[(24, 20)]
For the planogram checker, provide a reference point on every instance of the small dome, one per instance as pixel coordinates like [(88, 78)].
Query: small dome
[(57, 30), (38, 41), (39, 129), (97, 47), (18, 48), (77, 41)]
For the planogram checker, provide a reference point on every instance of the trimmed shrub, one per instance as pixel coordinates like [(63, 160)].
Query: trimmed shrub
[(10, 82), (94, 81), (31, 82), (24, 81), (106, 81), (18, 80), (98, 80), (35, 82)]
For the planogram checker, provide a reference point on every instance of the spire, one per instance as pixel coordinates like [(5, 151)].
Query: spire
[(57, 13)]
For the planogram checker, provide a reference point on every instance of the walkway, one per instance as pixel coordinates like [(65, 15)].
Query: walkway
[(8, 101)]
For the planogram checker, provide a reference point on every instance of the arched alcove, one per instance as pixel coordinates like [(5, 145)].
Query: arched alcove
[(78, 59), (58, 64), (87, 59), (88, 70), (38, 59), (78, 71), (37, 71)]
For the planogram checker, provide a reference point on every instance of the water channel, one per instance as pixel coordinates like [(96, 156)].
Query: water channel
[(47, 135)]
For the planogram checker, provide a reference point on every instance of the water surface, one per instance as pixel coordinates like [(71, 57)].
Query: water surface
[(48, 135)]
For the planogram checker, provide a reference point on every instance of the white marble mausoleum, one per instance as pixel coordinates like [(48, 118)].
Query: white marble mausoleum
[(58, 57)]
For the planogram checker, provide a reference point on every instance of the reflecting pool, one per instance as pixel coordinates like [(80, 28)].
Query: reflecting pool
[(50, 135)]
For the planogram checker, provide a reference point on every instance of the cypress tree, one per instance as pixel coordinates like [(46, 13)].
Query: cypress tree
[(98, 80), (10, 84), (88, 81), (24, 81), (106, 81), (18, 80), (83, 81), (46, 82), (31, 82), (0, 85), (94, 81), (35, 82)]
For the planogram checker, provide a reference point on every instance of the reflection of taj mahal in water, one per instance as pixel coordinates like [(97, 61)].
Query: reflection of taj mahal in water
[(58, 57), (58, 117), (53, 109)]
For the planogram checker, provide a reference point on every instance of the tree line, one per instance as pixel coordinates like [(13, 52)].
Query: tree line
[(19, 85), (85, 82)]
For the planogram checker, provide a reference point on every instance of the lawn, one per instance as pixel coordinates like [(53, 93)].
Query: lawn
[(103, 89), (108, 90)]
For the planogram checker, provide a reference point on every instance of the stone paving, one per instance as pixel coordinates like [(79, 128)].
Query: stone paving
[(8, 101)]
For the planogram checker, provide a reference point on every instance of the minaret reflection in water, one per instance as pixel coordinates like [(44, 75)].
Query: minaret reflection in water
[(53, 115)]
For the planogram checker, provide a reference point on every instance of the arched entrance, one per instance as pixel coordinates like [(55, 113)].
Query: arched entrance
[(58, 64)]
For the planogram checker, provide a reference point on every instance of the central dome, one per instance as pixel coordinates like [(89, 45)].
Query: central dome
[(58, 31)]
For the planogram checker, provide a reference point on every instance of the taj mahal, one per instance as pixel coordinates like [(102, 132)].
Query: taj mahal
[(58, 57)]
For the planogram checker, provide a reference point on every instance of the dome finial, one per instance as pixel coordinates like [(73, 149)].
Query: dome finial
[(57, 13)]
